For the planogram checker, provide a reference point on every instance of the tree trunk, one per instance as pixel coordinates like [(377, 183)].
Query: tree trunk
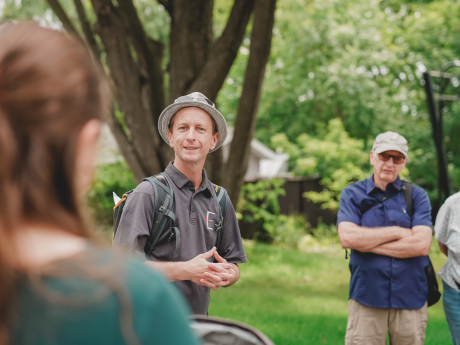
[(190, 43), (197, 63), (264, 16), (133, 83)]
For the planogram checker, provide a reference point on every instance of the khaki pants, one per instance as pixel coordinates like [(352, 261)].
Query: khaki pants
[(369, 326)]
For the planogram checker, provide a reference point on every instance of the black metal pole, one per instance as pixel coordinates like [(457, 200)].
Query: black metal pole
[(436, 121)]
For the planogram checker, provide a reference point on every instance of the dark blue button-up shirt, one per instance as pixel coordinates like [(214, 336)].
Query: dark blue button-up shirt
[(377, 280)]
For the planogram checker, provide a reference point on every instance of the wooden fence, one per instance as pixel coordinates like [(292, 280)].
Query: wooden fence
[(295, 203)]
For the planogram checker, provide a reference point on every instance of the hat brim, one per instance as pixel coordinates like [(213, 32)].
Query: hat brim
[(389, 147), (172, 109)]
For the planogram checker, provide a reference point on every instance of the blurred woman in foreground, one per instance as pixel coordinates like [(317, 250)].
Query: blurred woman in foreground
[(56, 286)]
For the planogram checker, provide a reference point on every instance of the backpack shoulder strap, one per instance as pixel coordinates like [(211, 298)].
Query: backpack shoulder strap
[(406, 188), (378, 201), (164, 198), (221, 200)]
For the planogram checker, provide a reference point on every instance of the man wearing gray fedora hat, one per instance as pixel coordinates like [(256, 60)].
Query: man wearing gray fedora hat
[(204, 259)]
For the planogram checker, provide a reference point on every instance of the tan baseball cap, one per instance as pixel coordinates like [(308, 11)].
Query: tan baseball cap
[(390, 141)]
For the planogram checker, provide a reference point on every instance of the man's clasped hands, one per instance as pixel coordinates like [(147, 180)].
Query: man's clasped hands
[(212, 275)]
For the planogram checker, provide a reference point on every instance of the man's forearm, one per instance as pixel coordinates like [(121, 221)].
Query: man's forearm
[(364, 239), (407, 247), (173, 271)]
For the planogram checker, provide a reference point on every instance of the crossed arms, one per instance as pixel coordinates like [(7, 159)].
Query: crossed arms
[(200, 271), (391, 241)]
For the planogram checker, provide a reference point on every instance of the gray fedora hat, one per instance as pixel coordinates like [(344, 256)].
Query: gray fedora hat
[(195, 99)]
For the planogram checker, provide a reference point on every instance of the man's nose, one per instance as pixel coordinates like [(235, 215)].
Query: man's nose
[(191, 135)]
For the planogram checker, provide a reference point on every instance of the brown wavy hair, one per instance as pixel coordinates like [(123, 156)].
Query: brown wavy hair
[(49, 89)]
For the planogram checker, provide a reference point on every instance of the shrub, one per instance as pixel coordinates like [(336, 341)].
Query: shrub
[(335, 157), (258, 203), (109, 178)]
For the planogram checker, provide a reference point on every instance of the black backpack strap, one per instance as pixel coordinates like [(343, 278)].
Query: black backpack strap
[(221, 200), (375, 203), (164, 198), (175, 234), (406, 188)]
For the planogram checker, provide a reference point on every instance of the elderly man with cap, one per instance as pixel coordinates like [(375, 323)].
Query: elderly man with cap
[(193, 127), (389, 247)]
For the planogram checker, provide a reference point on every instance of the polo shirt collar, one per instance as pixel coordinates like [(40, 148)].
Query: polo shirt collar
[(181, 181), (370, 186)]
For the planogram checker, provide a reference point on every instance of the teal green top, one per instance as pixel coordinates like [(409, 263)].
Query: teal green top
[(77, 305)]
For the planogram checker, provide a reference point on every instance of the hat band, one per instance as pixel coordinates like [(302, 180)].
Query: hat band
[(195, 99)]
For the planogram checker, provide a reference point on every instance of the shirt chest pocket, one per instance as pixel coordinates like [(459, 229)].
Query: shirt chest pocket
[(402, 217), (382, 215), (398, 216)]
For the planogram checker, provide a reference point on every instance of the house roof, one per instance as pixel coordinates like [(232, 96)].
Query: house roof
[(258, 149)]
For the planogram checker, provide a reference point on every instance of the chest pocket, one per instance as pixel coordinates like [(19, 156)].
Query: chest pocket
[(381, 215), (404, 219)]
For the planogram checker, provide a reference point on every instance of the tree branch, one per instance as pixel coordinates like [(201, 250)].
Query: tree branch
[(190, 40), (149, 59), (264, 17), (224, 51), (86, 27), (126, 148), (64, 18), (132, 87)]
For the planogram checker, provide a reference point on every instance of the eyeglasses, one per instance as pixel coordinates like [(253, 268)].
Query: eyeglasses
[(195, 99), (396, 159)]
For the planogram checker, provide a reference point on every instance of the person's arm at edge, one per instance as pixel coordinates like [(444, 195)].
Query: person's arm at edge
[(443, 248), (442, 226), (366, 239)]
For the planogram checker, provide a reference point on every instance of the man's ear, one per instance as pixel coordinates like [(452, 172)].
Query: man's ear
[(215, 138), (170, 138), (371, 157)]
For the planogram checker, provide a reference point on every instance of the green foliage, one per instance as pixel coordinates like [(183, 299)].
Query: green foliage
[(109, 178), (360, 61), (258, 203), (337, 158), (288, 230), (357, 60), (323, 239)]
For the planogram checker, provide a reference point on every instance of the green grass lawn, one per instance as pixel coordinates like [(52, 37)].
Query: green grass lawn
[(301, 298)]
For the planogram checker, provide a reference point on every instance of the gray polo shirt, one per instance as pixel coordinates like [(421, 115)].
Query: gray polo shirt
[(197, 214)]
